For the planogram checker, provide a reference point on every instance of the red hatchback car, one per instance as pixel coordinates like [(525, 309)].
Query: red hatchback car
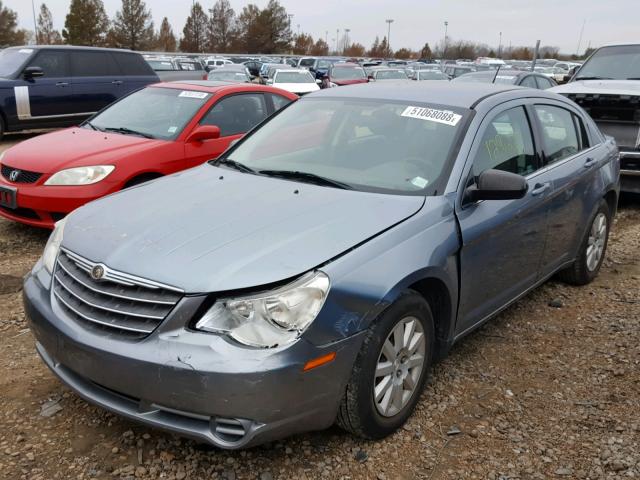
[(156, 131)]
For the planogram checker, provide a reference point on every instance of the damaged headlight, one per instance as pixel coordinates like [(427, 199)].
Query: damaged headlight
[(52, 247), (271, 318)]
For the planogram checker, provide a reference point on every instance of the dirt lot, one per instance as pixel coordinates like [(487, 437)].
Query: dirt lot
[(549, 389)]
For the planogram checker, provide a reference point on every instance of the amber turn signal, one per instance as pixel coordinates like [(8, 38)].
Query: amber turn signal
[(318, 362)]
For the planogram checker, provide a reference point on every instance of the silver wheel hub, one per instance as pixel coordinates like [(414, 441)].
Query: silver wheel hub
[(399, 367), (596, 241)]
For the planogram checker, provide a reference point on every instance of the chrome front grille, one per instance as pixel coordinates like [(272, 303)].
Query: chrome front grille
[(102, 298)]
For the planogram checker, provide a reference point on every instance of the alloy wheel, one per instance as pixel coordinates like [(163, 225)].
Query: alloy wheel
[(399, 367), (596, 241)]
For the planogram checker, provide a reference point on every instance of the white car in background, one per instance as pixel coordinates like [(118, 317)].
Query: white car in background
[(298, 81)]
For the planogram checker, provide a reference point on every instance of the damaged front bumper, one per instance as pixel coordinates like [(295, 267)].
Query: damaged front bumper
[(197, 385)]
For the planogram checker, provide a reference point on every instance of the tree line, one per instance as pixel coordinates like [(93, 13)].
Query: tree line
[(221, 29)]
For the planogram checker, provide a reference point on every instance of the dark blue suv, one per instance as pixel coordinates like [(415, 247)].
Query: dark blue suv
[(58, 86)]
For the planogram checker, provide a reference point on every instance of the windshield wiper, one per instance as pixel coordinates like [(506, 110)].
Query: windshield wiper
[(233, 164), (633, 78), (93, 127), (128, 131), (594, 77), (306, 177)]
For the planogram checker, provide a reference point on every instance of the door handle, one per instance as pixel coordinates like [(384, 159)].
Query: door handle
[(540, 188), (590, 162), (62, 84), (117, 82)]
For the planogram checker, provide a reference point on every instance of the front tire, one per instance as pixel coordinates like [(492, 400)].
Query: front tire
[(390, 371), (592, 249)]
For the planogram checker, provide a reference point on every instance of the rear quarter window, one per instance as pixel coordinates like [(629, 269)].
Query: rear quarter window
[(132, 64), (92, 64)]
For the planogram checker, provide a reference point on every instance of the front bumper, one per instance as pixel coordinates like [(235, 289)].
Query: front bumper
[(194, 384), (43, 205), (630, 171)]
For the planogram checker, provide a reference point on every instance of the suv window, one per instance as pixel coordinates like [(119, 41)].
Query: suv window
[(237, 114), (559, 135), (132, 64), (54, 63), (507, 144), (93, 64)]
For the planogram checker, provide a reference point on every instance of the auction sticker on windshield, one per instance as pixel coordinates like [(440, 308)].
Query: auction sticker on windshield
[(431, 114), (188, 94)]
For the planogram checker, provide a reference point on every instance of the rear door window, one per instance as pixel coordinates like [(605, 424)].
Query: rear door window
[(93, 64), (54, 63), (559, 134), (279, 101), (544, 83), (237, 114)]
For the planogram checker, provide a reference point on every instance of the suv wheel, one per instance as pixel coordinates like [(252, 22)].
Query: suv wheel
[(390, 370)]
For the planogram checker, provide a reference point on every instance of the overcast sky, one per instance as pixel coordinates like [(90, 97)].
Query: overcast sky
[(554, 22)]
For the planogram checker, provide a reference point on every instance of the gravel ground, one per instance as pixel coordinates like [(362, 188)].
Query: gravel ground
[(548, 389)]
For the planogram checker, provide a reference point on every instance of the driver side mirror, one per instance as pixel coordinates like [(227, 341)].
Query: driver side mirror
[(204, 132), (497, 185), (33, 72)]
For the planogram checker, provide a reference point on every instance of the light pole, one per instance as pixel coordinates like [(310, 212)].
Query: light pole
[(444, 51), (346, 39), (389, 22), (290, 15), (500, 47), (337, 39), (298, 29)]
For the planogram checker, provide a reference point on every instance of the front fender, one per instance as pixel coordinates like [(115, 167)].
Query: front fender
[(368, 279)]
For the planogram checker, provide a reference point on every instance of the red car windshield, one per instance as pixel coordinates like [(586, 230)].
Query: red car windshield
[(348, 73), (151, 112)]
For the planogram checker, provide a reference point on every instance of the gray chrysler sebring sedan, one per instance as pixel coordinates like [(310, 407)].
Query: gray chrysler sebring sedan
[(314, 272)]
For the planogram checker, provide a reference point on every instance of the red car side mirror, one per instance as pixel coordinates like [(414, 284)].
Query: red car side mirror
[(204, 132)]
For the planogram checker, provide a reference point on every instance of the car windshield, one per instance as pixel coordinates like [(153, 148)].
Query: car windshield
[(12, 59), (307, 62), (293, 77), (153, 111), (348, 73), (391, 75), (368, 145), (619, 63), (227, 76)]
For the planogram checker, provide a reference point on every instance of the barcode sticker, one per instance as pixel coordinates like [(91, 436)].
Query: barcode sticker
[(188, 94), (432, 115)]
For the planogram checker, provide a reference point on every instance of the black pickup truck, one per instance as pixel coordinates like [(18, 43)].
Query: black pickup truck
[(58, 86)]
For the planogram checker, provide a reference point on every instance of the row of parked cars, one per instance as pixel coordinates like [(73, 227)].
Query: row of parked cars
[(318, 256)]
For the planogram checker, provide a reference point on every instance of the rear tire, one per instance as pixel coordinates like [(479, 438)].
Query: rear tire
[(388, 375), (592, 249)]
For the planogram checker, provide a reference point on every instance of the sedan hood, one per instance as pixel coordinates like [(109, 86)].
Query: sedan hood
[(612, 87), (212, 229), (73, 147)]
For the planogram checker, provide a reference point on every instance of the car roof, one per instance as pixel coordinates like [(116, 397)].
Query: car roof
[(71, 47), (443, 92), (210, 86)]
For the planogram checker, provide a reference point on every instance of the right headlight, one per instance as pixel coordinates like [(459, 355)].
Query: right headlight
[(269, 319), (52, 247)]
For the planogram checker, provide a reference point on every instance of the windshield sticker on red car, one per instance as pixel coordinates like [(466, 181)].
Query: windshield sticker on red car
[(432, 115), (188, 94)]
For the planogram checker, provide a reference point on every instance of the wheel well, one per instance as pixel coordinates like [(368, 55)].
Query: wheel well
[(143, 177), (436, 293), (612, 201)]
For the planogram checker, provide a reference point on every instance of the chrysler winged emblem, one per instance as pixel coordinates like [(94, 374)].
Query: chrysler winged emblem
[(13, 176), (97, 272)]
